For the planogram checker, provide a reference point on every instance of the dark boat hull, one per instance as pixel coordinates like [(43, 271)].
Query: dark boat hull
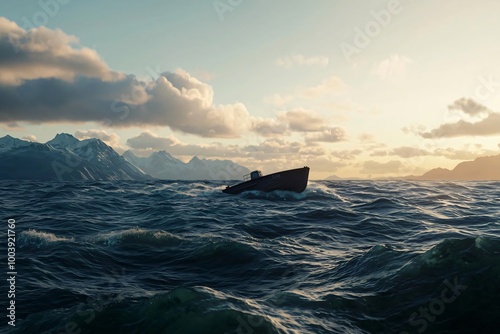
[(291, 180)]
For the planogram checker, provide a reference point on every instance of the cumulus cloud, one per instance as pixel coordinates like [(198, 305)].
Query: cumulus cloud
[(393, 67), (269, 127), (46, 53), (468, 106), (112, 139), (45, 78), (488, 126), (301, 60), (329, 135), (299, 120), (304, 120)]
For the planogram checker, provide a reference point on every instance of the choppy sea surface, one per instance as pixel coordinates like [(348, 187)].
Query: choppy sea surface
[(182, 257)]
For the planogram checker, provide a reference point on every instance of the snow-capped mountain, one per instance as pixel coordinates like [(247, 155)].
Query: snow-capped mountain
[(62, 141), (164, 166), (64, 158), (8, 142)]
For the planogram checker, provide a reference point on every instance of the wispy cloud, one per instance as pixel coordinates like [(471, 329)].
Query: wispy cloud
[(330, 85), (329, 135), (391, 68), (300, 60), (407, 152)]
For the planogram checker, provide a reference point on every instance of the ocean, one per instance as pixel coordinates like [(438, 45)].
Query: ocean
[(182, 257)]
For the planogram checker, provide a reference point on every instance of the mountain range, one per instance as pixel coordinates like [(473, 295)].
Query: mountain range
[(162, 165), (480, 169), (66, 158)]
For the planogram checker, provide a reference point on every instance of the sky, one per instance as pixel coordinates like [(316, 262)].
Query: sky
[(363, 89)]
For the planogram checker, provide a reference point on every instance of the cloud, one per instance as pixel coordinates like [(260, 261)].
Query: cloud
[(391, 68), (150, 141), (274, 146), (413, 129), (147, 142), (304, 120), (268, 127), (329, 85), (346, 154), (462, 154), (409, 152), (329, 135), (323, 164), (46, 53), (403, 152), (301, 60), (50, 80), (299, 120), (390, 167), (112, 139), (31, 138), (367, 138), (488, 126), (269, 149), (468, 106), (449, 153)]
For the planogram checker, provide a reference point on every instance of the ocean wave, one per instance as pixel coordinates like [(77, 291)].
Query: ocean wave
[(40, 238), (182, 310), (138, 236), (379, 204)]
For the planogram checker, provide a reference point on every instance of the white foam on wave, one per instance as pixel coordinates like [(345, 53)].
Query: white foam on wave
[(322, 189), (114, 237), (38, 238)]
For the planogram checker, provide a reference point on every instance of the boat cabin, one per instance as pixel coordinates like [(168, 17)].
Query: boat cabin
[(253, 175)]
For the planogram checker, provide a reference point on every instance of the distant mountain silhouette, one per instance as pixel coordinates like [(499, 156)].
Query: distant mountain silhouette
[(162, 165), (481, 169), (333, 177)]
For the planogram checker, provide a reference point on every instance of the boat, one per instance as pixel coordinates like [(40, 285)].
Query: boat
[(290, 180)]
